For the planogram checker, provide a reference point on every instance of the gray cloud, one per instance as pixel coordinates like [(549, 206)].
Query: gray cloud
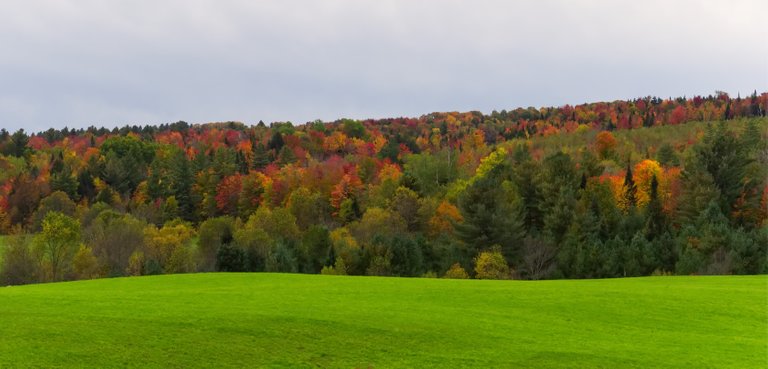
[(78, 63)]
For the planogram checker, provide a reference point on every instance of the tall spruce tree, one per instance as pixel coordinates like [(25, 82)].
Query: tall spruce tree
[(493, 215), (655, 219), (630, 190), (181, 187), (260, 157)]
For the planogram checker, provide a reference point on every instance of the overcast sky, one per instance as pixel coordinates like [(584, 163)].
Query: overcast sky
[(79, 63)]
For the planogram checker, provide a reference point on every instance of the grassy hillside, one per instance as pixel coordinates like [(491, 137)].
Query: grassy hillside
[(283, 320)]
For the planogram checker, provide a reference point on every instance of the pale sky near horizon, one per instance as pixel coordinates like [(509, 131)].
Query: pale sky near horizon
[(109, 63)]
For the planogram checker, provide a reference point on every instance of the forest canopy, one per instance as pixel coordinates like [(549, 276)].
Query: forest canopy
[(607, 189)]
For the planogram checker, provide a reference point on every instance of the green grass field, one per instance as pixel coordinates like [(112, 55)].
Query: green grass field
[(284, 320)]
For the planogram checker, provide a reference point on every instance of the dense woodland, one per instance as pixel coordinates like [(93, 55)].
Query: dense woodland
[(611, 189)]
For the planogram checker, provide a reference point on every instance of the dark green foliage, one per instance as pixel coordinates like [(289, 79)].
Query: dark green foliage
[(18, 265), (286, 156), (276, 142), (665, 252), (559, 215), (282, 258), (431, 172), (107, 196), (18, 144), (85, 185), (126, 162), (349, 210), (181, 185), (65, 181), (705, 245), (558, 182), (444, 251), (113, 237), (406, 204), (214, 233), (353, 128), (231, 258), (315, 249), (589, 165), (390, 151), (526, 177), (57, 201), (598, 198), (576, 244), (630, 190), (224, 162), (407, 258), (656, 220), (666, 156), (241, 162), (493, 215), (750, 251), (699, 191), (92, 213), (260, 157), (723, 156)]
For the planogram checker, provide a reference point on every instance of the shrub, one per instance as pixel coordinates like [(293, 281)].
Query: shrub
[(282, 259), (456, 272), (214, 233), (19, 265), (181, 260), (231, 258), (491, 265), (429, 274), (135, 264), (380, 265), (338, 268), (84, 264)]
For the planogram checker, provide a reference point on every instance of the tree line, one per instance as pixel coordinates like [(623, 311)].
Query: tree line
[(449, 194)]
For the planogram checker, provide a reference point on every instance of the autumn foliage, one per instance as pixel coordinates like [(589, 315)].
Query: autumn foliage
[(594, 190)]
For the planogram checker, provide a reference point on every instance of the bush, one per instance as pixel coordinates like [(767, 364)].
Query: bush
[(282, 259), (231, 258), (182, 260), (84, 264), (380, 265), (114, 237), (135, 264), (168, 249), (491, 265), (19, 265), (456, 272), (214, 233), (407, 258), (338, 268)]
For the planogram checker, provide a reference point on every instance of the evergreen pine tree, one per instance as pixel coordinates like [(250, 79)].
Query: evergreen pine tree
[(286, 156), (241, 162), (276, 142), (493, 215), (630, 189), (260, 157), (181, 188), (655, 223)]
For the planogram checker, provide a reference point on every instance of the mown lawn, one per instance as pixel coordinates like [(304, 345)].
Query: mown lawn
[(284, 320)]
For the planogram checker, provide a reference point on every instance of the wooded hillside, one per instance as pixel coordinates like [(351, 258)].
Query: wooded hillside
[(607, 189)]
